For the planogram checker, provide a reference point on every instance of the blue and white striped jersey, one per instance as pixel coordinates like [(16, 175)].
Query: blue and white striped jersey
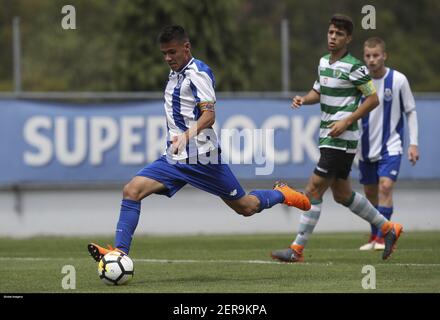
[(382, 128), (185, 91)]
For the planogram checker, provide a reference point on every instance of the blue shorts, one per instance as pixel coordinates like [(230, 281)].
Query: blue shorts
[(216, 179), (386, 167)]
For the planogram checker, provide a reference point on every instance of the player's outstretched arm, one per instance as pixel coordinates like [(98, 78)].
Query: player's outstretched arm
[(310, 98)]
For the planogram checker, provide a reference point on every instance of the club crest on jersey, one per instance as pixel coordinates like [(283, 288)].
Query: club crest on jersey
[(180, 79), (324, 80), (337, 73), (388, 94)]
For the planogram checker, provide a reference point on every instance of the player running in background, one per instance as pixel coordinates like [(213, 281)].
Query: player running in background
[(190, 113), (342, 80), (382, 135)]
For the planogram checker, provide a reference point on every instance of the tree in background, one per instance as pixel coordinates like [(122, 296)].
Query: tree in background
[(58, 59), (114, 47), (214, 32), (7, 7)]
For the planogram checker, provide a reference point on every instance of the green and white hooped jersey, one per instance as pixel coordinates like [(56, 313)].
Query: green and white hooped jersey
[(341, 86)]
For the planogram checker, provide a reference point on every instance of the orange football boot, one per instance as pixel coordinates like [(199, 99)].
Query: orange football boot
[(290, 255), (293, 198), (391, 232), (97, 252)]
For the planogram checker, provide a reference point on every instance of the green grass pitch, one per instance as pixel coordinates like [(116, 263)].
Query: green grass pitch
[(224, 264)]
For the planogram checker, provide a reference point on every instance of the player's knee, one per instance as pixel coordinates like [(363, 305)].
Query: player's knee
[(132, 193), (385, 188)]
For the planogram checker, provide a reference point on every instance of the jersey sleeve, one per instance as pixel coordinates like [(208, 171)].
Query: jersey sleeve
[(202, 87), (408, 101), (411, 117), (361, 79), (317, 84)]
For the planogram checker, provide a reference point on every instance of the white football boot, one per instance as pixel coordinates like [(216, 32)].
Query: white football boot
[(370, 245)]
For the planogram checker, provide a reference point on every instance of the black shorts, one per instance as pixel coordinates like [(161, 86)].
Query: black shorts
[(334, 163)]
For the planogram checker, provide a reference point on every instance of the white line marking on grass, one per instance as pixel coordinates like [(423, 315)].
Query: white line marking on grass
[(168, 261), (33, 259), (220, 261), (205, 261), (165, 261), (411, 264), (357, 250)]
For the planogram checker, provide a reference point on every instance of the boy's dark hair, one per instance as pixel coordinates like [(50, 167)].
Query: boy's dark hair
[(343, 22), (171, 33)]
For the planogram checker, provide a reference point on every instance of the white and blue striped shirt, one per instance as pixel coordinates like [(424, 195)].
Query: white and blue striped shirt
[(382, 128), (193, 85)]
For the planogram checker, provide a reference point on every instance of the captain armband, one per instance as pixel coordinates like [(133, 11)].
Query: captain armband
[(207, 106), (367, 89)]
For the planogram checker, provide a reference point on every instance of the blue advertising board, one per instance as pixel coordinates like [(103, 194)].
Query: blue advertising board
[(44, 142)]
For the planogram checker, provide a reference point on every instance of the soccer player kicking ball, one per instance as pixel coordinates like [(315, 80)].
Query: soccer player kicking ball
[(342, 79), (381, 143), (190, 114)]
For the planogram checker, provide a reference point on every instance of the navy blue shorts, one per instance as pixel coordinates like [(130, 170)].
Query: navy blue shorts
[(370, 172), (216, 179)]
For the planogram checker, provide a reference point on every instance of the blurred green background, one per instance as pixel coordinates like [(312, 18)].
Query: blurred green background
[(114, 46)]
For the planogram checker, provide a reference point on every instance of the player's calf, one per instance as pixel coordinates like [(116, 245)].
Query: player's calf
[(245, 206), (246, 212)]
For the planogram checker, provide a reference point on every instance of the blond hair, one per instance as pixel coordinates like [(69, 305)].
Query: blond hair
[(374, 42)]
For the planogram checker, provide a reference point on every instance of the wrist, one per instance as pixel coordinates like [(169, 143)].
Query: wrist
[(349, 121)]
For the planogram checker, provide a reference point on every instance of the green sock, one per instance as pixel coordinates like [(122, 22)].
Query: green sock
[(360, 206)]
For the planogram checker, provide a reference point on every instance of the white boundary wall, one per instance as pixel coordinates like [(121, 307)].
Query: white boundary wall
[(89, 212)]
